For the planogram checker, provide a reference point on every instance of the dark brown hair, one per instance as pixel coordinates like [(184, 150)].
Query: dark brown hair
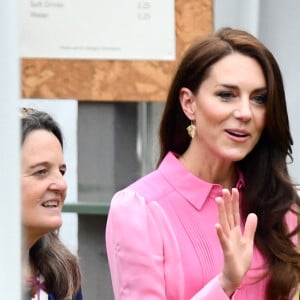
[(48, 255), (269, 191)]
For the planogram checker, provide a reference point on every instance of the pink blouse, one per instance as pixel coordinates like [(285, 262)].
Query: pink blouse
[(162, 244)]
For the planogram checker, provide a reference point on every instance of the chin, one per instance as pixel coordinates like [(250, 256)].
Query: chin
[(54, 224), (236, 156), (237, 159)]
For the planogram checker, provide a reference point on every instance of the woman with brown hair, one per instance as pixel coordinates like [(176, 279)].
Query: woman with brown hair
[(50, 270), (217, 219)]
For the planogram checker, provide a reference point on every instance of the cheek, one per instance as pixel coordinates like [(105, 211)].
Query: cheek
[(260, 122), (27, 203), (26, 195), (210, 113), (31, 193)]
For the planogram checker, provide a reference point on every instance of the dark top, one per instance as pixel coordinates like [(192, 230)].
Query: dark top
[(77, 297)]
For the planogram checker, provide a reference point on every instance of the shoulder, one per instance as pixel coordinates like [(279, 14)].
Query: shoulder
[(132, 216), (160, 182), (152, 186), (131, 202)]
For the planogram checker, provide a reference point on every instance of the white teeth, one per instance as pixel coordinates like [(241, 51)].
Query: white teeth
[(51, 203), (237, 133)]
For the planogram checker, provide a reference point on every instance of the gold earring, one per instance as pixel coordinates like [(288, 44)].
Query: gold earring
[(191, 129)]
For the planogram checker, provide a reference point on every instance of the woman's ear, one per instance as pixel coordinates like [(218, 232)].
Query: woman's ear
[(187, 101)]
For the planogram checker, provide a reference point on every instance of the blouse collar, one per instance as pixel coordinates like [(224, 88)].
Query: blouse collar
[(191, 187)]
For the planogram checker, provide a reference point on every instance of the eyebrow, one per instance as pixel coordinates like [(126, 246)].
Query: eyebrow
[(261, 90), (44, 163), (232, 86)]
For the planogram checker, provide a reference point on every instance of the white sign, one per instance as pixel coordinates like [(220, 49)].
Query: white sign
[(98, 29)]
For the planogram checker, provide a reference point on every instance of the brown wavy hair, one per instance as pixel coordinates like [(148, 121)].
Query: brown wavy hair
[(48, 255), (269, 191)]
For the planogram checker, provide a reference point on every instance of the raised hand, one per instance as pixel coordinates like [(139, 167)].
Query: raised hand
[(237, 245)]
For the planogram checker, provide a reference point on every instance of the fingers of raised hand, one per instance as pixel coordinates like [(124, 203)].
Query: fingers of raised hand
[(228, 210), (228, 203), (237, 246), (223, 226), (236, 206)]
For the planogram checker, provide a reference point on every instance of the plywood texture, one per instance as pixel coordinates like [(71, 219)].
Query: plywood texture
[(116, 80)]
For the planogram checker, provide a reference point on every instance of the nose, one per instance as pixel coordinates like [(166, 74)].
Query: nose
[(243, 110)]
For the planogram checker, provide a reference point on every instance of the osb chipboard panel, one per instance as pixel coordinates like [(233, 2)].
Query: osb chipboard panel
[(116, 80)]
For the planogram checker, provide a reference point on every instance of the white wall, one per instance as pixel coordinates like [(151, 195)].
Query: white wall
[(237, 14), (280, 30)]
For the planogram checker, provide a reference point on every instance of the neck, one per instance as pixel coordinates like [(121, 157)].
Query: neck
[(223, 173)]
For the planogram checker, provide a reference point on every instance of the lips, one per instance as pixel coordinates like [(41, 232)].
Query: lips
[(237, 133), (51, 203)]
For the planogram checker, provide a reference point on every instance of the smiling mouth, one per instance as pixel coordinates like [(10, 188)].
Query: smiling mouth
[(237, 133), (50, 203)]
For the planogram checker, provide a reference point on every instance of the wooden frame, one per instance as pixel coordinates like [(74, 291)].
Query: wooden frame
[(116, 80)]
